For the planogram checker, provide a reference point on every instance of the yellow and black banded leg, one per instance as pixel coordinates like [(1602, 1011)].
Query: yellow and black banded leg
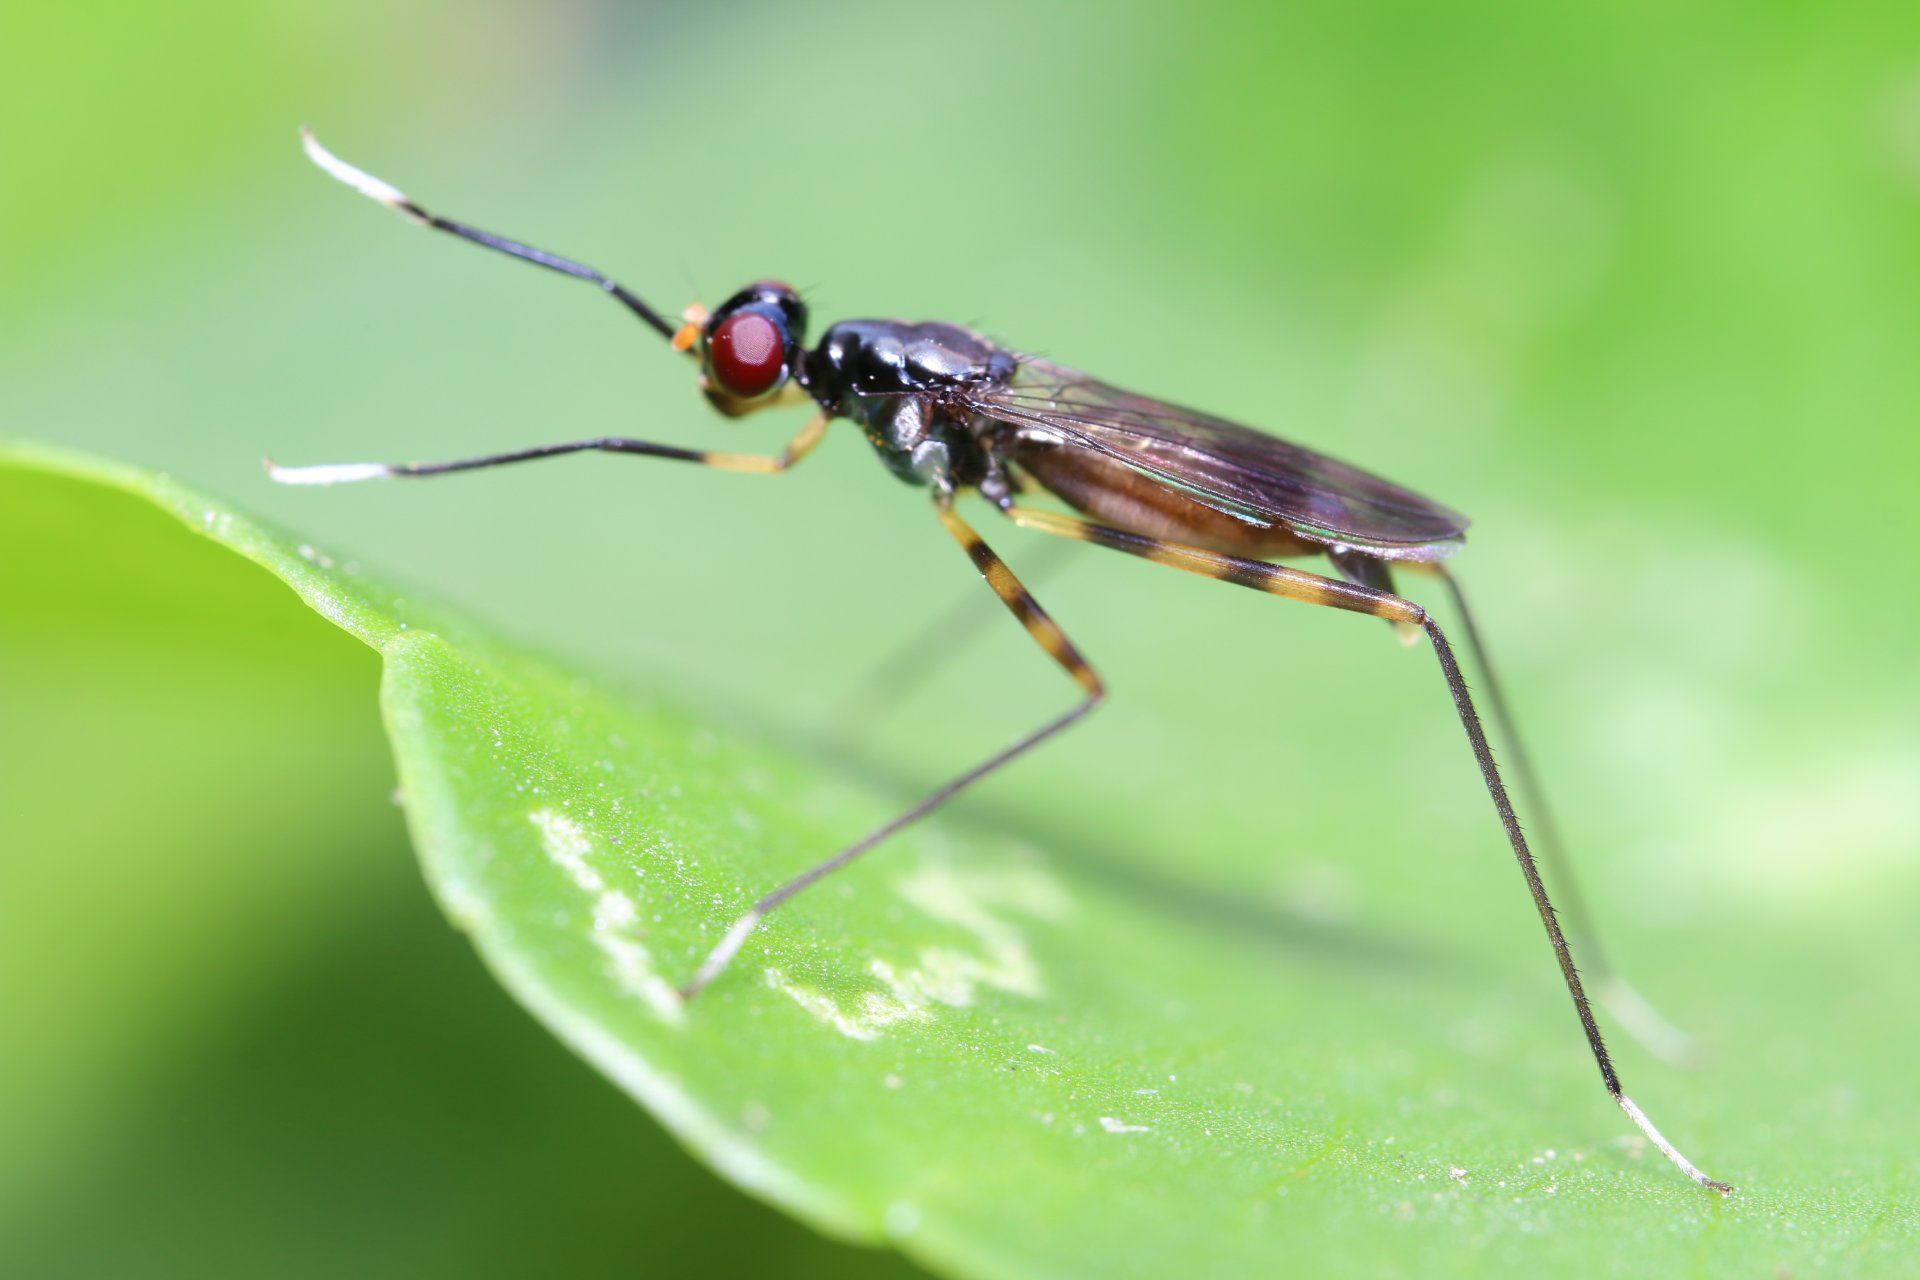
[(1045, 632), (1312, 588), (345, 473), (1295, 584)]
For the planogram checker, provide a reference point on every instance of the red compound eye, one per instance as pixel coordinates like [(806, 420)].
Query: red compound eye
[(746, 354)]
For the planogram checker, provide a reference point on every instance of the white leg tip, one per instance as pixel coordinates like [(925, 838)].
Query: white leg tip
[(1686, 1166), (722, 955)]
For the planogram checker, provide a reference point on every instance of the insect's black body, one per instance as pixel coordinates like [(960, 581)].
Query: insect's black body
[(908, 387), (949, 408), (956, 413)]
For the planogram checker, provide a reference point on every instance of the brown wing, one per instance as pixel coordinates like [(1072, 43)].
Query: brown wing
[(1251, 476)]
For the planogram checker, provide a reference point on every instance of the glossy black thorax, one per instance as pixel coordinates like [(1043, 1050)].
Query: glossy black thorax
[(904, 385)]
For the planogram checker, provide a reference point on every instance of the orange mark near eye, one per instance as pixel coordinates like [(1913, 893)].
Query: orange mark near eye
[(693, 323)]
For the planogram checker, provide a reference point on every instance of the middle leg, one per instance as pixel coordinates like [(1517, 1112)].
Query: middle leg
[(1045, 632)]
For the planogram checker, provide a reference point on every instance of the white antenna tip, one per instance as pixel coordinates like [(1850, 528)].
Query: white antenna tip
[(337, 473), (359, 179)]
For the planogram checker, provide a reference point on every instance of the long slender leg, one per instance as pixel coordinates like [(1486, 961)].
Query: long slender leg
[(1546, 830), (1632, 1010), (1311, 588), (348, 472), (1045, 632)]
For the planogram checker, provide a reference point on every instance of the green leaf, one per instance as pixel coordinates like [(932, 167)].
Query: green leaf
[(1013, 1057)]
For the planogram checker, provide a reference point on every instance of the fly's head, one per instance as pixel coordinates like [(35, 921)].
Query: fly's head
[(749, 348)]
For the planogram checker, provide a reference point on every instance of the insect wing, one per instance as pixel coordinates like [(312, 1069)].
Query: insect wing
[(1254, 477)]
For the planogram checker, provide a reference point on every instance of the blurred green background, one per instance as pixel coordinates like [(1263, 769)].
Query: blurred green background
[(1633, 285)]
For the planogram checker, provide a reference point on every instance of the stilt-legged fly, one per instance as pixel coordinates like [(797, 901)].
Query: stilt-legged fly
[(955, 413)]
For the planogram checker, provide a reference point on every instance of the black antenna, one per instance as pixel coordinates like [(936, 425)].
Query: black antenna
[(391, 196)]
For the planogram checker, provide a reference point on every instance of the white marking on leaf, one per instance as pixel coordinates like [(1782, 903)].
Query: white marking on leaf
[(616, 917), (1113, 1125), (567, 845), (944, 975), (876, 1011)]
